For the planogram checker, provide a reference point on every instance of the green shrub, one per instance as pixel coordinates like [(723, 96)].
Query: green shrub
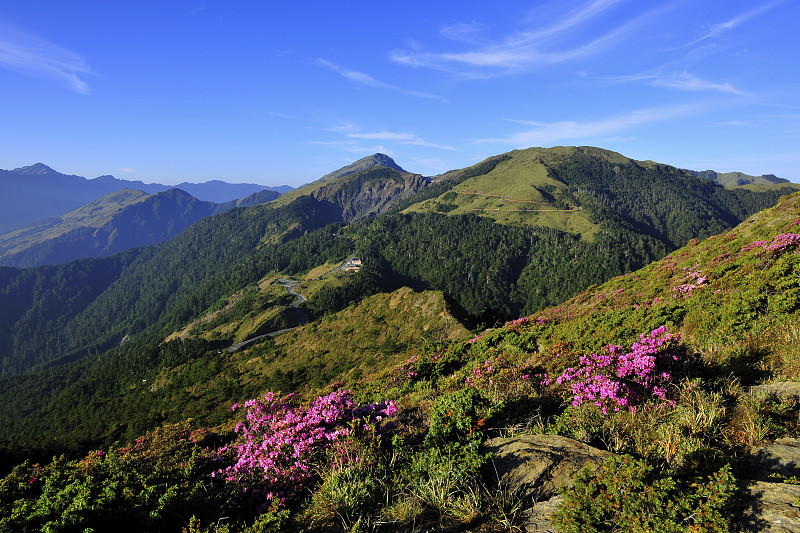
[(457, 417), (627, 494)]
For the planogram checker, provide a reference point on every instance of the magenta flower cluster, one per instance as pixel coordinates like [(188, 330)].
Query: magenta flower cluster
[(409, 367), (618, 380), (481, 371), (279, 442), (646, 303), (513, 325), (694, 279), (778, 244)]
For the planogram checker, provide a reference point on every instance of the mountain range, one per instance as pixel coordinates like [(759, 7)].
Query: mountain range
[(38, 192), (120, 220), (476, 289), (732, 179)]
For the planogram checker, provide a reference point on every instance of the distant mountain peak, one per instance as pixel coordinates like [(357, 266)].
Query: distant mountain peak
[(728, 179), (382, 160), (374, 160), (38, 169)]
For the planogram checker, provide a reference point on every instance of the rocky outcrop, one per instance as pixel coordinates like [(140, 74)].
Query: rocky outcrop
[(767, 507), (779, 459), (371, 192), (783, 390), (537, 466)]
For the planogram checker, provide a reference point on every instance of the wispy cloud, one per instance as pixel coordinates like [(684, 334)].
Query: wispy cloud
[(429, 166), (683, 81), (689, 82), (361, 78), (559, 40), (401, 138), (550, 133), (126, 170), (26, 53), (730, 24), (733, 124)]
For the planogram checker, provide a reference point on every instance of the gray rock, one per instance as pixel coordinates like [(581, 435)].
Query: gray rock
[(781, 458), (537, 518), (768, 508), (784, 390), (537, 466)]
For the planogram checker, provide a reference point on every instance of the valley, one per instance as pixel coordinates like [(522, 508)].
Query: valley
[(407, 325)]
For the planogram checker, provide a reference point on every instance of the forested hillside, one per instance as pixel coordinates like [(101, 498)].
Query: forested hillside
[(633, 213), (652, 368), (159, 287), (637, 211)]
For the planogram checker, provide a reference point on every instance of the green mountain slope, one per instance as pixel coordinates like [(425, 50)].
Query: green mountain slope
[(118, 221), (560, 220), (639, 212), (574, 189), (680, 341), (168, 285), (165, 285)]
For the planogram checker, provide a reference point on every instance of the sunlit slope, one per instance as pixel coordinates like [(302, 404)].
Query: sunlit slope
[(518, 190), (576, 189), (92, 215), (735, 297)]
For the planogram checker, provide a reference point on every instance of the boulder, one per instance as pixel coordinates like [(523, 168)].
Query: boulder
[(767, 507), (537, 466), (784, 390), (779, 459)]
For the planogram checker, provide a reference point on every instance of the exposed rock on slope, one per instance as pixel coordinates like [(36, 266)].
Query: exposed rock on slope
[(367, 197)]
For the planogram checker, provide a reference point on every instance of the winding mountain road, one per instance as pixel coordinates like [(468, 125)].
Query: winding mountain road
[(289, 285)]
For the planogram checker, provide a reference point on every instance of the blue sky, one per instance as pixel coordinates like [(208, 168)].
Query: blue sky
[(283, 92)]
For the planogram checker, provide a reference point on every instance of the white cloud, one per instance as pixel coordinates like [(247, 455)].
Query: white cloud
[(428, 166), (556, 41), (689, 82), (361, 78), (401, 138), (127, 170), (683, 81), (734, 22), (551, 133), (22, 52)]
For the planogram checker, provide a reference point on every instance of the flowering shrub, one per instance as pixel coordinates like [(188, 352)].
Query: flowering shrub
[(778, 244), (409, 368), (693, 280), (151, 485), (279, 442), (617, 379)]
